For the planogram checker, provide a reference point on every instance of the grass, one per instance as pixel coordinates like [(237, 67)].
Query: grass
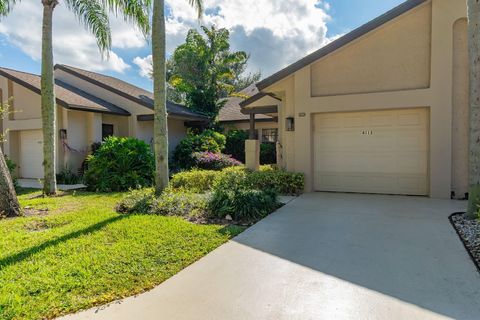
[(82, 253)]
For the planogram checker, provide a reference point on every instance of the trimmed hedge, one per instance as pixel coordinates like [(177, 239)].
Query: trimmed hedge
[(267, 178), (198, 181)]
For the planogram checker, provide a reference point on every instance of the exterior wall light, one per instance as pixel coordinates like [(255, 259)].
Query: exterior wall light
[(290, 124)]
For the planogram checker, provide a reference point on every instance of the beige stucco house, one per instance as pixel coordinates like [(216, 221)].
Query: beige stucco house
[(230, 117), (383, 109), (90, 106)]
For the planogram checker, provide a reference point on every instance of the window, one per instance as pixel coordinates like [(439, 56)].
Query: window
[(107, 130), (269, 135)]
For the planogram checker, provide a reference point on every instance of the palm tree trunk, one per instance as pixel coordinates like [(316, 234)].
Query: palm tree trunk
[(9, 205), (48, 100), (474, 67), (160, 127)]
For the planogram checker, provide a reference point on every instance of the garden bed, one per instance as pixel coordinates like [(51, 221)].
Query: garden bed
[(469, 233)]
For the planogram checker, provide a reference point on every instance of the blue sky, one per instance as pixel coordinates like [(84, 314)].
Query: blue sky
[(274, 39)]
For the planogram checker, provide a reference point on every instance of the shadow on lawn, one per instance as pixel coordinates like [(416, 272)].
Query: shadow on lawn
[(25, 254)]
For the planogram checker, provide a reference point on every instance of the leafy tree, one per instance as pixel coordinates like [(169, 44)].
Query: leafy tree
[(205, 70), (474, 67), (9, 205), (160, 128), (93, 14)]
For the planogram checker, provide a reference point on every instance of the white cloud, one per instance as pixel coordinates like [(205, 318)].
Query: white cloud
[(145, 65), (72, 43), (275, 33)]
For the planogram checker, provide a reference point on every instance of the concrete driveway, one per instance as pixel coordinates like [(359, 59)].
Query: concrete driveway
[(325, 256)]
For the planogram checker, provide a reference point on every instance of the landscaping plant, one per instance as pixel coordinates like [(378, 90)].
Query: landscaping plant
[(235, 144), (208, 140), (214, 161), (120, 164), (268, 153)]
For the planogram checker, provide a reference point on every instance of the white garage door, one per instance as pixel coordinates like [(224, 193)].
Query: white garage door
[(31, 154), (372, 152)]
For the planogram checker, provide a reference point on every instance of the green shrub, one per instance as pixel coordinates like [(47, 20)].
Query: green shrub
[(268, 153), (281, 181), (198, 181), (67, 176), (120, 164), (137, 201), (233, 196), (208, 140), (235, 144), (182, 204)]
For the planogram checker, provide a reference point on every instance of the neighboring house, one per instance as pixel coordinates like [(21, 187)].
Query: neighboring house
[(383, 109), (231, 117), (90, 107)]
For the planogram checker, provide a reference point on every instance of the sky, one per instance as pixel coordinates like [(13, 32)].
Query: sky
[(275, 33)]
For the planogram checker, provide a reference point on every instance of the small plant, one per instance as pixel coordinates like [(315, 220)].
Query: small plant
[(214, 161), (208, 140), (120, 164), (67, 176), (233, 196), (182, 204)]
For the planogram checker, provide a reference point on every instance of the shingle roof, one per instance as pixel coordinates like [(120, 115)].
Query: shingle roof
[(66, 95), (129, 91), (231, 111), (340, 42)]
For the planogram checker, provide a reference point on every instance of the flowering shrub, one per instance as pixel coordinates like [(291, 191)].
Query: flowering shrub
[(208, 140), (214, 161)]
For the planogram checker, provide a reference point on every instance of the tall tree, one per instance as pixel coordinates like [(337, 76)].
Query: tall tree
[(474, 67), (160, 128), (205, 70), (93, 14), (9, 206)]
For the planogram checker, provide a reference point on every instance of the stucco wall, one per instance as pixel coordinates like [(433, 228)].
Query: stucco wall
[(26, 104), (176, 132), (299, 100), (394, 57), (460, 109), (120, 124), (77, 139)]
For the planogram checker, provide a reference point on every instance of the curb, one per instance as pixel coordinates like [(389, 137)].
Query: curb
[(465, 245)]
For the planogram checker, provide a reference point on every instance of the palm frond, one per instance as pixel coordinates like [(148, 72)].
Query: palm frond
[(6, 6), (93, 15), (136, 12), (198, 5)]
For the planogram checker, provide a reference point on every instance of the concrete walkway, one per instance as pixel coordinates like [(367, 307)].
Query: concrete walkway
[(325, 256), (37, 184)]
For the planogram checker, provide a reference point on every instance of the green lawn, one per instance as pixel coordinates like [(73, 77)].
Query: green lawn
[(84, 254)]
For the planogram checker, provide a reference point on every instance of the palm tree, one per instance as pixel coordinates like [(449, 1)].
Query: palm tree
[(160, 128), (474, 67), (93, 14)]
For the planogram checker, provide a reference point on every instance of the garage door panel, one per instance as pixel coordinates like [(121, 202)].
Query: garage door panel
[(31, 154), (388, 155)]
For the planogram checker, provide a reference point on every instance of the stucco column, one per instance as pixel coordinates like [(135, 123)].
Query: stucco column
[(252, 154), (132, 126)]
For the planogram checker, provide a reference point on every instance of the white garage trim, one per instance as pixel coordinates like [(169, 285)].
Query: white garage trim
[(31, 154), (372, 151)]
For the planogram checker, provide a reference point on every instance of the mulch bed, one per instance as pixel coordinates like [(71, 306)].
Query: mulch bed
[(469, 233)]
